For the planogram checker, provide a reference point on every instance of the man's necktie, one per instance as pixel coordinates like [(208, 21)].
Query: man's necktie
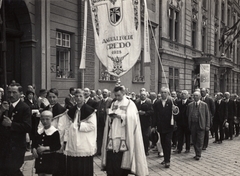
[(196, 104), (10, 111)]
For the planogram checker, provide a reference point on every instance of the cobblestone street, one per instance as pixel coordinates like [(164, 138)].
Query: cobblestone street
[(218, 159)]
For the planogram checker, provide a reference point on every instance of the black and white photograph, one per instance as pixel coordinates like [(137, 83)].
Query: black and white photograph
[(119, 87)]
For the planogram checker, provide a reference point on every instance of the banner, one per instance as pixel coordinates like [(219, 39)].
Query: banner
[(83, 56), (146, 35), (117, 33), (205, 75)]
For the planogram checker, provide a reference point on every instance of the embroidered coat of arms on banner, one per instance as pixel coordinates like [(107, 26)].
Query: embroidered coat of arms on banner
[(117, 33)]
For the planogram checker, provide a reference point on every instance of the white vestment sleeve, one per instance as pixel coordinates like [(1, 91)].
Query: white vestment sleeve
[(90, 124)]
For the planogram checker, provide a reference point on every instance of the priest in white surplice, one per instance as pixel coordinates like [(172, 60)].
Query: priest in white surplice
[(123, 150)]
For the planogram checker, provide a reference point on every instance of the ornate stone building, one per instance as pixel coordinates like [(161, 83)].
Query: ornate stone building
[(190, 35)]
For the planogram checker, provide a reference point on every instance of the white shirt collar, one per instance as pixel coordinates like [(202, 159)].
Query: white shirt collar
[(15, 103), (48, 131), (164, 100), (105, 99), (198, 102)]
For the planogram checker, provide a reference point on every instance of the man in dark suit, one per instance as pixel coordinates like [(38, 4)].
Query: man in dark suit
[(182, 123), (163, 120), (231, 113), (219, 117), (145, 111), (211, 107), (13, 129), (102, 112), (199, 122), (88, 100), (69, 100)]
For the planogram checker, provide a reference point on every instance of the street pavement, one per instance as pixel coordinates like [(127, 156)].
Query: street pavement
[(218, 159)]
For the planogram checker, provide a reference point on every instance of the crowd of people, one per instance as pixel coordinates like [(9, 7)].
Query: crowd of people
[(121, 128)]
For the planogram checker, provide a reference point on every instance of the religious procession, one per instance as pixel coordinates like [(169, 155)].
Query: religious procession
[(119, 87)]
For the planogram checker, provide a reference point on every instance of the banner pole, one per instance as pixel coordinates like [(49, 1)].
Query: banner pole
[(83, 78)]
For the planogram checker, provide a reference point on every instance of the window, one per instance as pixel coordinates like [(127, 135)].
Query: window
[(171, 23), (194, 28), (204, 39), (216, 8), (204, 4), (173, 79), (229, 17), (215, 43), (104, 75), (223, 11), (63, 56), (138, 69), (176, 17)]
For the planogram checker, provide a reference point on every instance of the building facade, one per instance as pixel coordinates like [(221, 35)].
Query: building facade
[(44, 43), (191, 32)]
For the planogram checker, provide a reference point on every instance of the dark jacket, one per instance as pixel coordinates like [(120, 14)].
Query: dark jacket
[(102, 111), (231, 109), (13, 139), (220, 111), (92, 103), (145, 119), (56, 109), (238, 109), (162, 116), (182, 118), (69, 102), (211, 105)]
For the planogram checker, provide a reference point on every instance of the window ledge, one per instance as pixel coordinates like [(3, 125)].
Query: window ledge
[(107, 81), (138, 82), (65, 79)]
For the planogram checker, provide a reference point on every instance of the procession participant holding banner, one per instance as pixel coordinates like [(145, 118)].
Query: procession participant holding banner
[(122, 149)]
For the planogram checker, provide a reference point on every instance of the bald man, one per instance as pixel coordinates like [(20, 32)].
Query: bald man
[(199, 122)]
